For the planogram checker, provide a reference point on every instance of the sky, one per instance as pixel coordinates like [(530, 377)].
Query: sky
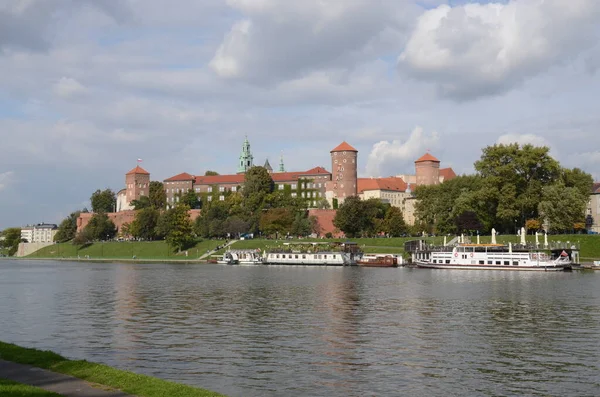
[(87, 87)]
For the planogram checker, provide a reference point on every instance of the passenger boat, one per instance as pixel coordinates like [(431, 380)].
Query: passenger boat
[(378, 261), (247, 257), (228, 258), (494, 257), (315, 254)]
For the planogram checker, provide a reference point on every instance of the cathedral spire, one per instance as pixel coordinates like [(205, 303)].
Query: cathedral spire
[(246, 158), (281, 167)]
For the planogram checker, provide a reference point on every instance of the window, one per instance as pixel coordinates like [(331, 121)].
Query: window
[(481, 262), (447, 260), (209, 198), (197, 190), (498, 262), (489, 262), (506, 263), (221, 188), (209, 189), (281, 186), (303, 256), (515, 263), (293, 186), (294, 194), (221, 198), (234, 188), (296, 256)]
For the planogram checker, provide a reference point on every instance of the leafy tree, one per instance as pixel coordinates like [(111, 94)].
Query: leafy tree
[(103, 201), (144, 224), (393, 223), (211, 222), (578, 179), (190, 198), (180, 231), (257, 185), (277, 221), (82, 237), (67, 228), (143, 202), (12, 238), (323, 204), (157, 195), (533, 225), (350, 217), (100, 227), (468, 222), (235, 226), (562, 206), (302, 224), (211, 173)]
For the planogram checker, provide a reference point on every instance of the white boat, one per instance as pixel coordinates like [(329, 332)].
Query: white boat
[(315, 254), (247, 257), (494, 257), (228, 258)]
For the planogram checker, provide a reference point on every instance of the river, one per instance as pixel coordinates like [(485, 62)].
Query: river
[(315, 331)]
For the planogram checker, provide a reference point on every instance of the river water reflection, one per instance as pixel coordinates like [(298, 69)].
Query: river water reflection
[(302, 331)]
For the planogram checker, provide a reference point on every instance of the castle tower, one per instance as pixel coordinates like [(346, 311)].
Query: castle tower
[(137, 184), (427, 170), (268, 167), (246, 158), (344, 172)]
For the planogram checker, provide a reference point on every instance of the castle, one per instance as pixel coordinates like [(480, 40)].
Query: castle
[(314, 185)]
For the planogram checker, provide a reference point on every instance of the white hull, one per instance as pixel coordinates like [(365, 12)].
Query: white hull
[(549, 268), (310, 259)]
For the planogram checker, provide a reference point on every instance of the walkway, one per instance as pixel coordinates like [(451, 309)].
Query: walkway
[(52, 381), (213, 251)]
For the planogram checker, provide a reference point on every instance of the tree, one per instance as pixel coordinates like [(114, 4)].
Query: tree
[(12, 238), (533, 225), (393, 223), (211, 173), (468, 222), (143, 202), (257, 185), (562, 206), (100, 227), (180, 231), (144, 224), (323, 204), (350, 217), (67, 228), (157, 195), (190, 198), (235, 226), (103, 201), (302, 224), (276, 221)]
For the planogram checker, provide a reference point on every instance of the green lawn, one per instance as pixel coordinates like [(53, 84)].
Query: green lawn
[(125, 250), (8, 388), (129, 382)]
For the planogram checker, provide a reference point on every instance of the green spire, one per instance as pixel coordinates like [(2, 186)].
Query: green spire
[(281, 167), (246, 158)]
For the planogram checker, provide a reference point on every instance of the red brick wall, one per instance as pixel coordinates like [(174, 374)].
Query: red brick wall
[(325, 222), (120, 218)]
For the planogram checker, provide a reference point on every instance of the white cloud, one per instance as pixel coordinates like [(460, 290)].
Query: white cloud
[(390, 156), (523, 139), (482, 49), (6, 179), (68, 87)]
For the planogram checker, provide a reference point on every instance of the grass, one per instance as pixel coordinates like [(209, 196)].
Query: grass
[(125, 250), (8, 388), (128, 382)]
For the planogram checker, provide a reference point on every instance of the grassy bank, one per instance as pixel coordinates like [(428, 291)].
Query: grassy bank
[(128, 382), (125, 250), (8, 388)]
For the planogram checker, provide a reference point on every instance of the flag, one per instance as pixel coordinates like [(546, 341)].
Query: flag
[(139, 160), (564, 253)]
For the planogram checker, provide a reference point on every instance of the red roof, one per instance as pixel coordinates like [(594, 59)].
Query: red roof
[(392, 183), (316, 170), (447, 173), (217, 179), (344, 146), (276, 176), (596, 187), (427, 157), (138, 170), (184, 176)]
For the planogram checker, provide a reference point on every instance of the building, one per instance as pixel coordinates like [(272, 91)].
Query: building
[(137, 184), (344, 159), (593, 210), (246, 159), (40, 233)]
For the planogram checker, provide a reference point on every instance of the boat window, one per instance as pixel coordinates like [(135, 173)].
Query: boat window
[(447, 260), (296, 256), (481, 262), (334, 257), (515, 263), (506, 263), (324, 256), (277, 255), (303, 256), (489, 262), (498, 263), (434, 261)]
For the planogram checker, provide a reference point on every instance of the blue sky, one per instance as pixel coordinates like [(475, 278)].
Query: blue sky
[(89, 87)]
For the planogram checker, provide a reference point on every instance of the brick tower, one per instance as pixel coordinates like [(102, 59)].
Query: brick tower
[(344, 175), (137, 184), (427, 170)]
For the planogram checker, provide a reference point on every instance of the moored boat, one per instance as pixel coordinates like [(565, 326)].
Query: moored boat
[(315, 254), (378, 261)]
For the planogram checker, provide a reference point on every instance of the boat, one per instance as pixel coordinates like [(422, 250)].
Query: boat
[(247, 257), (228, 258), (313, 254), (378, 261), (494, 257)]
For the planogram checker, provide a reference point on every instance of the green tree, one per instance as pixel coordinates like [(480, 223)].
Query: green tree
[(277, 221), (190, 198), (578, 179), (143, 202), (100, 227), (103, 201), (235, 226), (144, 224), (67, 228), (350, 217), (562, 206), (180, 234), (257, 185), (157, 195), (211, 173), (302, 225), (468, 221), (12, 238), (393, 223)]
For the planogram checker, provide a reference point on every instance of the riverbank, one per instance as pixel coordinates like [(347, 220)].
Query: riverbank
[(105, 377)]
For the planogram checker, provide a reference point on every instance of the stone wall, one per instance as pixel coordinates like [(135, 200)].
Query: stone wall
[(29, 248), (325, 222)]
